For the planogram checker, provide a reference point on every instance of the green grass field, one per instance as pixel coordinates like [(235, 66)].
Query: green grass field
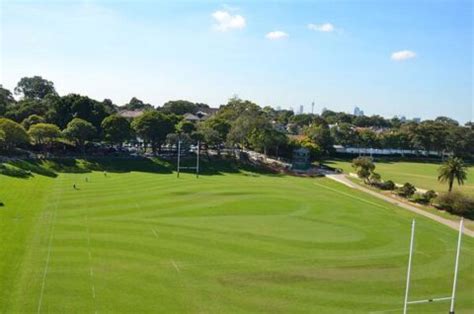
[(140, 240), (421, 174)]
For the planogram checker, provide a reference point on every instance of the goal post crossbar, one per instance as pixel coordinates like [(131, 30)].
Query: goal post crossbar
[(430, 300)]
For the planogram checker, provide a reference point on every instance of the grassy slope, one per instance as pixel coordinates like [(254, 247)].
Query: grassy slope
[(146, 242), (423, 175)]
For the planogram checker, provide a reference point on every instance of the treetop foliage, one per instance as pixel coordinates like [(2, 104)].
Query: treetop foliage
[(34, 87), (238, 122)]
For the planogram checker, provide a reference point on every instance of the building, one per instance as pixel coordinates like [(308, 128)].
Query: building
[(191, 117), (130, 114), (279, 127), (358, 112), (301, 159), (301, 109)]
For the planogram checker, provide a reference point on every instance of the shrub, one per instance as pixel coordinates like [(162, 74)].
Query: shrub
[(423, 198), (387, 185), (407, 190), (430, 195), (418, 198), (456, 203), (375, 178)]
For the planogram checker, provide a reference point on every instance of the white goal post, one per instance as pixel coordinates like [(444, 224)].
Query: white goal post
[(178, 163), (451, 298)]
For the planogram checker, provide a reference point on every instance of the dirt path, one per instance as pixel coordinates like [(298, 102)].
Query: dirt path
[(452, 224)]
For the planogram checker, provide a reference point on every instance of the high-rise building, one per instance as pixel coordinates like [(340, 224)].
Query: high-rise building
[(358, 111), (301, 109)]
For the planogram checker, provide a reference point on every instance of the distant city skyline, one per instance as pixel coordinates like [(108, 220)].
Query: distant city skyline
[(393, 58)]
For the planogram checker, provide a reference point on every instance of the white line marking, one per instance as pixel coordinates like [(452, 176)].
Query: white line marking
[(386, 311), (91, 270), (48, 257), (351, 196), (175, 266)]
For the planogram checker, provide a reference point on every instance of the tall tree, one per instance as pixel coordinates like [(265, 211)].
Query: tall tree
[(367, 138), (267, 138), (452, 169), (79, 131), (153, 127), (34, 87), (218, 124), (364, 167), (14, 134), (136, 104), (59, 111), (321, 136), (237, 107), (31, 120), (344, 134), (116, 129), (186, 127), (44, 133), (179, 107), (6, 99), (25, 108), (78, 106), (243, 127)]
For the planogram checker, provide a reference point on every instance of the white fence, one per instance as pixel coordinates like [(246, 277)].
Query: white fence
[(383, 151)]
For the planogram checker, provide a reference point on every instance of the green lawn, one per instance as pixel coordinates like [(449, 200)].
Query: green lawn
[(422, 175), (140, 240)]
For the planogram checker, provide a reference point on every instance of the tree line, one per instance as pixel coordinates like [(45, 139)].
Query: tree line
[(41, 118)]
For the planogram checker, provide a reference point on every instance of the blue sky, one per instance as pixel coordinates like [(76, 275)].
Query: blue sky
[(411, 58)]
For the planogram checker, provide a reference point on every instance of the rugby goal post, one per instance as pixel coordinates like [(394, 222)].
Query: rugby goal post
[(451, 298), (178, 163)]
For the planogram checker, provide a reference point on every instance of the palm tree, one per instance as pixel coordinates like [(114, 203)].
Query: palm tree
[(452, 169)]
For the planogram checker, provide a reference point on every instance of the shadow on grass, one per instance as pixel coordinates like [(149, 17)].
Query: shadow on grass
[(109, 164), (33, 166), (51, 167), (11, 171), (221, 166)]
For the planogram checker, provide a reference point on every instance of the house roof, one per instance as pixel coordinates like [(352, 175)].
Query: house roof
[(131, 113), (191, 117), (208, 110)]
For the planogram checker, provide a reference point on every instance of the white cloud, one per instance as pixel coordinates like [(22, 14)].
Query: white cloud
[(226, 21), (276, 35), (326, 27), (403, 55)]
